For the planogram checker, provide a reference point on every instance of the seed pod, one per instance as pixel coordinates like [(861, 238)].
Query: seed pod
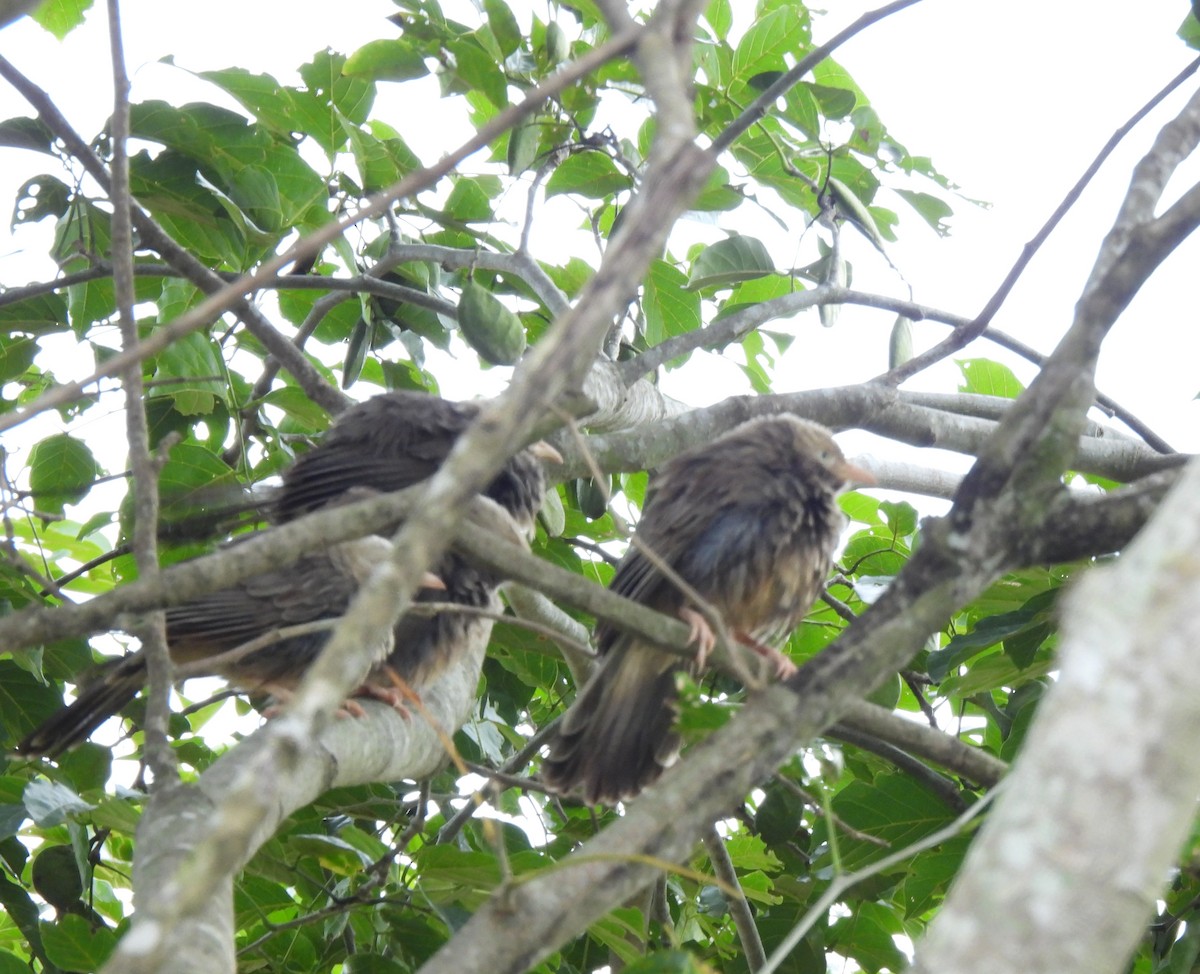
[(552, 515), (900, 345)]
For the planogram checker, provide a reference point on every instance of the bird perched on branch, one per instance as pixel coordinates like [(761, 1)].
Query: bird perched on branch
[(207, 633), (386, 443), (393, 441), (749, 522)]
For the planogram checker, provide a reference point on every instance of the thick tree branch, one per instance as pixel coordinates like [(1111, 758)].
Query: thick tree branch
[(1103, 794), (925, 742), (891, 413), (733, 327), (200, 819)]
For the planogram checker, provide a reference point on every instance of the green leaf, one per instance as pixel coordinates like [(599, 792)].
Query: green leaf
[(590, 174), (867, 936), (470, 200), (264, 97), (479, 71), (718, 193), (331, 852), (933, 209), (901, 517), (504, 26), (328, 81), (255, 898), (671, 309), (12, 964), (377, 166), (895, 808), (834, 102), (489, 326), (854, 210), (51, 803), (779, 815), (60, 17), (196, 360), (523, 144), (305, 414), (900, 342), (719, 15), (667, 962), (40, 197), (988, 378), (23, 912), (168, 185), (730, 261), (16, 355), (62, 470), (372, 964), (12, 817), (1026, 625), (26, 133), (390, 59), (357, 347), (73, 945), (190, 466), (764, 46)]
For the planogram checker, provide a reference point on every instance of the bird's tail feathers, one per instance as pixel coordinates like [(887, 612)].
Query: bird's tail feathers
[(115, 686), (618, 736)]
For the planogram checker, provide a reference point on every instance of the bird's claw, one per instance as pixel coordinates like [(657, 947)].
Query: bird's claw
[(783, 667), (700, 633)]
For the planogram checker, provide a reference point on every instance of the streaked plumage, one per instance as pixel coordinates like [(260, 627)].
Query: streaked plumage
[(393, 441), (386, 443), (750, 521), (316, 587)]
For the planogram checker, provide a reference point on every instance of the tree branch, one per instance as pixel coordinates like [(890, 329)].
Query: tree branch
[(1103, 794)]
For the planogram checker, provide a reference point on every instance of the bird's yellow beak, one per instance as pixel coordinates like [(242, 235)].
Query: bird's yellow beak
[(854, 475), (545, 452)]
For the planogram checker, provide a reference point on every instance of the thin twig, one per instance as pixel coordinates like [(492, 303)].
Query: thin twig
[(961, 337), (151, 629), (231, 295), (820, 909), (739, 906)]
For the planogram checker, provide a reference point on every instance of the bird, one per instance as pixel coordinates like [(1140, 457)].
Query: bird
[(750, 522), (204, 632), (392, 441), (386, 443)]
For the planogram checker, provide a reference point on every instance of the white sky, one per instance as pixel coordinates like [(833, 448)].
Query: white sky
[(1010, 100)]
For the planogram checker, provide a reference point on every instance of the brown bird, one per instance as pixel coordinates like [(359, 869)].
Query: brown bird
[(386, 443), (393, 441), (314, 588), (749, 521)]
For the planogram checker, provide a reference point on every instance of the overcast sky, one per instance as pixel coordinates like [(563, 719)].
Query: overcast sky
[(1010, 100)]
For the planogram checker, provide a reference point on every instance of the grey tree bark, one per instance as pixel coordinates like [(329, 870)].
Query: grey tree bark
[(1064, 874)]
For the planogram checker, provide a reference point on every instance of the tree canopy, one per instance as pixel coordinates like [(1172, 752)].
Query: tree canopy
[(652, 197)]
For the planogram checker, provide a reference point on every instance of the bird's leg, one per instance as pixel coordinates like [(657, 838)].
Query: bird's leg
[(282, 696), (395, 696), (700, 633), (784, 667)]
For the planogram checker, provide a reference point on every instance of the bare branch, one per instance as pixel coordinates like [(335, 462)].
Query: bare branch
[(961, 337)]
